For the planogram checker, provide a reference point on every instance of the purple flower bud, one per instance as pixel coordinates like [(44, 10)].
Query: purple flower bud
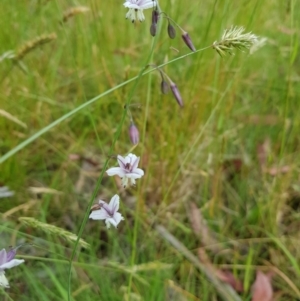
[(171, 31), (164, 87), (155, 16), (134, 134), (187, 40), (176, 94), (153, 29)]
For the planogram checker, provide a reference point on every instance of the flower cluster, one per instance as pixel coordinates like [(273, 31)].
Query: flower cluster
[(128, 171)]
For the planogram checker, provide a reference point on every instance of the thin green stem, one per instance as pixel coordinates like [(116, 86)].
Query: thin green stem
[(86, 104), (138, 207), (98, 184)]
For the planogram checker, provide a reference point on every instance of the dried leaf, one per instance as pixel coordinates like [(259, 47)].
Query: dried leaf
[(227, 277), (12, 118), (44, 190), (262, 288), (201, 229)]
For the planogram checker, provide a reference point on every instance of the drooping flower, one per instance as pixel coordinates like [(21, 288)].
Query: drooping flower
[(171, 31), (7, 261), (188, 41), (136, 8), (108, 212), (176, 94), (128, 169)]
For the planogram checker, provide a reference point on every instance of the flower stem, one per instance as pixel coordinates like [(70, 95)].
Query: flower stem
[(98, 184)]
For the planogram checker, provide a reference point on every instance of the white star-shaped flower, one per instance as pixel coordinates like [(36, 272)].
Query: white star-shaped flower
[(109, 212), (136, 8), (7, 261), (128, 169)]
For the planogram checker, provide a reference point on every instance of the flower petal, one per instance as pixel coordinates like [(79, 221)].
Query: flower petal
[(145, 4), (130, 158), (116, 171), (3, 280), (131, 5), (114, 204), (12, 263), (135, 163), (133, 176), (3, 256), (11, 254), (140, 15), (115, 220), (138, 171), (107, 222), (124, 181), (122, 161), (99, 214)]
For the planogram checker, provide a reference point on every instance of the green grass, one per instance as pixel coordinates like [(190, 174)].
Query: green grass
[(71, 99)]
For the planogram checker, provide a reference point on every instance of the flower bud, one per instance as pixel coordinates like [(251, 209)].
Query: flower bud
[(153, 29), (176, 94), (171, 31), (134, 134), (164, 87), (155, 16), (187, 40)]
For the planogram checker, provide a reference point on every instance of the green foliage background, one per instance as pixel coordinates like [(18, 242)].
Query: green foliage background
[(206, 153)]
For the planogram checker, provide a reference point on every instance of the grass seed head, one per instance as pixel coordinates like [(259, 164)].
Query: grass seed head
[(234, 38), (33, 44)]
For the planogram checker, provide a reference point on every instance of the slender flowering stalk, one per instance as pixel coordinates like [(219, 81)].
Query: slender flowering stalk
[(234, 38), (136, 8), (7, 261), (127, 170), (108, 212)]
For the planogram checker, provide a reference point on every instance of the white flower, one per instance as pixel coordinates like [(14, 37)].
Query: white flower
[(136, 8), (109, 212), (127, 170), (7, 261)]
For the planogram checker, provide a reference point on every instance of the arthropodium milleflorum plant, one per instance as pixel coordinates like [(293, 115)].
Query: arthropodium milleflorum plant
[(234, 38)]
